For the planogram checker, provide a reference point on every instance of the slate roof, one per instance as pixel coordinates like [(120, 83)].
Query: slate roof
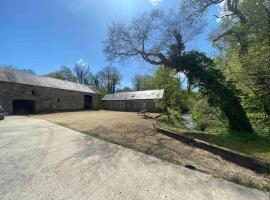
[(147, 94), (13, 76)]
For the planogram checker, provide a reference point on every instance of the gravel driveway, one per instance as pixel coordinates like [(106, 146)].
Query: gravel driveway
[(41, 160)]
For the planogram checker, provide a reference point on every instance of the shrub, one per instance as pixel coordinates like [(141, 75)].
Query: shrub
[(207, 118)]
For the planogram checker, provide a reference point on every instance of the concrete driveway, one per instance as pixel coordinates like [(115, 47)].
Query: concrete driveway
[(41, 160)]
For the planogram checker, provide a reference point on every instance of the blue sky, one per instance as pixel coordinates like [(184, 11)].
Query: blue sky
[(44, 34)]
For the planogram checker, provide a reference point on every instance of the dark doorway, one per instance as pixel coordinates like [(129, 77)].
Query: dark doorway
[(23, 107), (88, 102)]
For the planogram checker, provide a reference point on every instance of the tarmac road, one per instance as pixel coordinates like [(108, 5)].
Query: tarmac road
[(41, 160)]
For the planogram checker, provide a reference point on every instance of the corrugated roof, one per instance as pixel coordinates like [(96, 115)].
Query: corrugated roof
[(147, 94), (14, 76)]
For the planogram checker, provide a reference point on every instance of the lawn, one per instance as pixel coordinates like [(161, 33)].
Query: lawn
[(253, 145)]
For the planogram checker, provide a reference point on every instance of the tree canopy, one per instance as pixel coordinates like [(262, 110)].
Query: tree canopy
[(64, 73), (28, 71), (140, 82), (108, 79), (82, 72)]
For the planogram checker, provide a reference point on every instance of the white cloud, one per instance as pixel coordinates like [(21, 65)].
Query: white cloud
[(223, 9), (155, 2), (82, 62)]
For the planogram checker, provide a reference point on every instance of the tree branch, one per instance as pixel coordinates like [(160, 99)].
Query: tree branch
[(228, 15), (223, 35)]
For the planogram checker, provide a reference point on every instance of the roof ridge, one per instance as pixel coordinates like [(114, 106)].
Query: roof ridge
[(138, 91), (44, 78), (145, 94)]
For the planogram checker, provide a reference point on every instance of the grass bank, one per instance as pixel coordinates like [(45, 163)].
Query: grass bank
[(250, 144)]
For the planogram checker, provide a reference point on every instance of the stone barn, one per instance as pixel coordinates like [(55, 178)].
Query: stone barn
[(134, 101), (22, 93)]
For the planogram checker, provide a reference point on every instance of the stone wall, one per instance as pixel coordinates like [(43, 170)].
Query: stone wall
[(46, 99), (150, 105), (241, 159)]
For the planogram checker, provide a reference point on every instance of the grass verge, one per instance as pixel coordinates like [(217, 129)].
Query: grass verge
[(250, 184), (253, 145)]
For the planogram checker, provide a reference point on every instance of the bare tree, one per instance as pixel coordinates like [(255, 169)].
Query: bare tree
[(109, 77), (150, 36), (82, 72)]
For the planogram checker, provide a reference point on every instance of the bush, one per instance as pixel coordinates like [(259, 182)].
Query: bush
[(176, 116), (261, 123), (207, 118)]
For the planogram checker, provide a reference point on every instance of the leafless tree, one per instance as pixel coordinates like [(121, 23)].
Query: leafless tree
[(109, 78), (82, 72), (150, 36)]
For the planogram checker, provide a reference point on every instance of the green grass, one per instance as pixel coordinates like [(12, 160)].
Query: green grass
[(250, 184), (250, 144)]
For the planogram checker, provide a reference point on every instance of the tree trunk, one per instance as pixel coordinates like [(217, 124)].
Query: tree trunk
[(200, 68), (231, 106)]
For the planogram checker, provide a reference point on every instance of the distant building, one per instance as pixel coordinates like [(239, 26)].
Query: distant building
[(133, 101), (22, 93)]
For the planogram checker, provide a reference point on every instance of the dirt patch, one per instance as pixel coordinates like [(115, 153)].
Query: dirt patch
[(129, 130)]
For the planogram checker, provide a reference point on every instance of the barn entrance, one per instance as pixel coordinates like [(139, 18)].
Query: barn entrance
[(22, 107), (88, 102)]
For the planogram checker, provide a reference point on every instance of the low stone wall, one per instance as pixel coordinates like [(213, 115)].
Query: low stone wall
[(241, 159)]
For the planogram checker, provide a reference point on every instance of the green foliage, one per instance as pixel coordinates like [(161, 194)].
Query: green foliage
[(252, 144), (187, 100), (245, 59), (124, 89), (221, 92), (165, 78), (64, 73), (247, 183), (10, 67), (175, 119), (244, 41), (140, 82), (207, 118), (175, 99)]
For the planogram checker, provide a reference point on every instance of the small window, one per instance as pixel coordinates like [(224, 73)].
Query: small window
[(144, 105), (120, 104), (58, 100), (33, 93)]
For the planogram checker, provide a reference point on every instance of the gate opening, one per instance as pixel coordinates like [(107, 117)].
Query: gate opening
[(88, 102), (23, 107)]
